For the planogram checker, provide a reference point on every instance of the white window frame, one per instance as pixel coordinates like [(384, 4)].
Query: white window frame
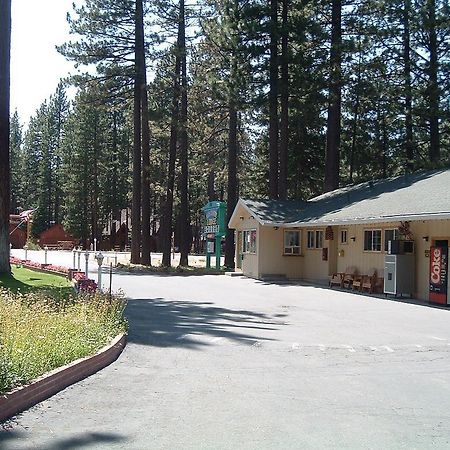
[(341, 235), (292, 250), (372, 241), (249, 244), (395, 237), (314, 239)]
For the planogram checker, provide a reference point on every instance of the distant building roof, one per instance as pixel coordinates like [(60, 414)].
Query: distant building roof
[(422, 195)]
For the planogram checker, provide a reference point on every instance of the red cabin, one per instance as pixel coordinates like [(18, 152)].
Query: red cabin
[(57, 237)]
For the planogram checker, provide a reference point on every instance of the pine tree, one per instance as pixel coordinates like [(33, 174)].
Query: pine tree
[(15, 147), (5, 47)]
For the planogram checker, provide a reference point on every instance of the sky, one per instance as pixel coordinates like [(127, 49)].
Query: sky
[(36, 67)]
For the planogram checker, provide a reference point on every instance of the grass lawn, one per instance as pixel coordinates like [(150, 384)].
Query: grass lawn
[(44, 324), (26, 280)]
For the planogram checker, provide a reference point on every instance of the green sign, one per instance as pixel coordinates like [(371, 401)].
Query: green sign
[(213, 229), (214, 219)]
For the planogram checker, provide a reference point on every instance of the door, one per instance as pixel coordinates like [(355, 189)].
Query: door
[(239, 250)]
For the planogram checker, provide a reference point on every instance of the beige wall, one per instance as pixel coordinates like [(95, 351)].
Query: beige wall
[(354, 255), (315, 270), (250, 260), (271, 258)]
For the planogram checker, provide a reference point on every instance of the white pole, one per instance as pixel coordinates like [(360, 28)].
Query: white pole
[(86, 257), (79, 259), (99, 278), (74, 251), (95, 244), (45, 254)]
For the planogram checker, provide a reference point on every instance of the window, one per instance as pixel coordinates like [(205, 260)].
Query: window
[(343, 236), (315, 239), (292, 242), (249, 241), (372, 240), (390, 235)]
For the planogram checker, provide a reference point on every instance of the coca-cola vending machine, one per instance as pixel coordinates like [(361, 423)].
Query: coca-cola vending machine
[(439, 275)]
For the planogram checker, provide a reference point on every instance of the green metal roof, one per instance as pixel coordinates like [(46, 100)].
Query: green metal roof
[(421, 195)]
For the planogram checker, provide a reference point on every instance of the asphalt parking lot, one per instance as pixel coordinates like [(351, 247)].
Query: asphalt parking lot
[(215, 362)]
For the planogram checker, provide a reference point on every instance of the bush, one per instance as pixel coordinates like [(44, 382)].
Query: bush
[(39, 333)]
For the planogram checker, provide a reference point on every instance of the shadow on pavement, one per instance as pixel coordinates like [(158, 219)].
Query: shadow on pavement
[(167, 323), (78, 441)]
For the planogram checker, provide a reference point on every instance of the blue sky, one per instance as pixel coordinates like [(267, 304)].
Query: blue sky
[(36, 66)]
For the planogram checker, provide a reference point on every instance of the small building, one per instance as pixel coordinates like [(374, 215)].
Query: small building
[(17, 236), (57, 237), (354, 226)]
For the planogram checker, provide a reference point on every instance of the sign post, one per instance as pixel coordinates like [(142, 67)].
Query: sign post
[(213, 230)]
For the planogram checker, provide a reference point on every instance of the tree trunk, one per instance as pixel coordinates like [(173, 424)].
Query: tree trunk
[(433, 87), (210, 187), (355, 122), (232, 183), (140, 56), (409, 144), (284, 100), (273, 101), (185, 231), (146, 256), (136, 197), (5, 48), (166, 229), (334, 106)]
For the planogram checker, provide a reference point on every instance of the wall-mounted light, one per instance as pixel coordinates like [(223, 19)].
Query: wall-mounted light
[(241, 217), (353, 238), (275, 228), (425, 238), (251, 217)]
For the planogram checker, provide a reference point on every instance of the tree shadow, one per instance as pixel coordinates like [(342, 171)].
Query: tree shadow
[(73, 442), (35, 281), (8, 281), (169, 323)]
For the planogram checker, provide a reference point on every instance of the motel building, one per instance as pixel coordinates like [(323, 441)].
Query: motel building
[(388, 236)]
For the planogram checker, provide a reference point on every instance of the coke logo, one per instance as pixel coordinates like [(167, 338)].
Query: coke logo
[(435, 273)]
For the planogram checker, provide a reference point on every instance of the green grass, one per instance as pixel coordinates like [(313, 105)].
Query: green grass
[(26, 280), (44, 325)]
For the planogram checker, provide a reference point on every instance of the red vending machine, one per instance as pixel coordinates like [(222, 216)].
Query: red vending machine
[(439, 275)]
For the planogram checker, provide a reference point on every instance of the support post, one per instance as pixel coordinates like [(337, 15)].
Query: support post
[(208, 255), (218, 250)]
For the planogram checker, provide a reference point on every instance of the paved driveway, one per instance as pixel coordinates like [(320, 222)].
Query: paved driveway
[(216, 362)]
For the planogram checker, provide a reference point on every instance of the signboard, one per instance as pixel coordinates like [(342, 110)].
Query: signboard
[(438, 275), (214, 218), (213, 230), (210, 246)]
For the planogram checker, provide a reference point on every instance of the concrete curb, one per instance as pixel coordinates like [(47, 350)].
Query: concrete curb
[(52, 382)]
